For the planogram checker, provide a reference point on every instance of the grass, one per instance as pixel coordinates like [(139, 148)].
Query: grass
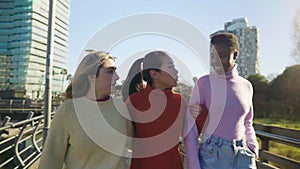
[(285, 150), (279, 122)]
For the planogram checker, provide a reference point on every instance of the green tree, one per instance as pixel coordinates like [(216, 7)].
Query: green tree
[(296, 37), (63, 72), (69, 78), (260, 95), (184, 89), (286, 93)]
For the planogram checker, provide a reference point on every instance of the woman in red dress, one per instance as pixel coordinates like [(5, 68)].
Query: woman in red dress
[(157, 112)]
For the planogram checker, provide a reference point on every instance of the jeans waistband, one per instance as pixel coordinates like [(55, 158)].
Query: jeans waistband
[(220, 141)]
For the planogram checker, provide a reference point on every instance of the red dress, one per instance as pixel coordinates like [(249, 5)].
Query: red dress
[(158, 117)]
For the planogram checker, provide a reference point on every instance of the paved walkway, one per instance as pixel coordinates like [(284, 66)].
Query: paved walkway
[(35, 165)]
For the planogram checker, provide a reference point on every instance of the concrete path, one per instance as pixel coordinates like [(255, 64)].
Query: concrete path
[(35, 165)]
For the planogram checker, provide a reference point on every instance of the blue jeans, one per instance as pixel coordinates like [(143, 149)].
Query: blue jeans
[(219, 153)]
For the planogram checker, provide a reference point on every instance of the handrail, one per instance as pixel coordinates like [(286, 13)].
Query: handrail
[(279, 138), (285, 136), (17, 142), (23, 148), (20, 155)]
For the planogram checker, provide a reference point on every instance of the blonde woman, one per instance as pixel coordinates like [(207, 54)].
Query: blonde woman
[(89, 129)]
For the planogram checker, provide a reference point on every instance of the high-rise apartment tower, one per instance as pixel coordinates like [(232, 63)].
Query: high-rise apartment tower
[(23, 45)]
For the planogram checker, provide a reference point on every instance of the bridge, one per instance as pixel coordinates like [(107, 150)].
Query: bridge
[(21, 142)]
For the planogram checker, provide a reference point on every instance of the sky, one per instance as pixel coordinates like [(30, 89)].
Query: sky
[(130, 29)]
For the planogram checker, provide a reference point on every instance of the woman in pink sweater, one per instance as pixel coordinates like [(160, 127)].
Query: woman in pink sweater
[(228, 139)]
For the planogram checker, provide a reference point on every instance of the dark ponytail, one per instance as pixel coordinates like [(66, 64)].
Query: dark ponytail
[(140, 71), (134, 81)]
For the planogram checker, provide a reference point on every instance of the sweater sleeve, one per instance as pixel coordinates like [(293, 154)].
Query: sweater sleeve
[(191, 138), (55, 147), (249, 129)]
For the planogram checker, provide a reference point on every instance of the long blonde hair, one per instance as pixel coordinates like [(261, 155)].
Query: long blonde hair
[(89, 65)]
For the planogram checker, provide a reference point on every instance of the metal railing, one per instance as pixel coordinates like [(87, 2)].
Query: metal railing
[(25, 105), (20, 105), (20, 142)]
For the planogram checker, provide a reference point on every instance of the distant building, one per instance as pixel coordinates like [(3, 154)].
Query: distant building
[(248, 59), (23, 45)]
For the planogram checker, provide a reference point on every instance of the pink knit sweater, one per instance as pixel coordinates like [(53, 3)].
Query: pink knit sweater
[(229, 101)]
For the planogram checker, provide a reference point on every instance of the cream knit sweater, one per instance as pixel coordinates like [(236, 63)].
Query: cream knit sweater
[(86, 134)]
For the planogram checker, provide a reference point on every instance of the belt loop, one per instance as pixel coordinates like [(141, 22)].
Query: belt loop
[(221, 142), (234, 142)]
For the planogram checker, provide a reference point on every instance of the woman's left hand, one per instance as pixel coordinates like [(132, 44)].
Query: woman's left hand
[(195, 110)]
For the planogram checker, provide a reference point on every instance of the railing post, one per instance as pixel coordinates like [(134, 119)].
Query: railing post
[(264, 146), (10, 104), (23, 105), (33, 138), (6, 120), (19, 138), (265, 141)]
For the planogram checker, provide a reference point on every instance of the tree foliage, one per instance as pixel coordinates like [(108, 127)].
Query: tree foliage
[(261, 95), (286, 91), (296, 37), (279, 98)]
